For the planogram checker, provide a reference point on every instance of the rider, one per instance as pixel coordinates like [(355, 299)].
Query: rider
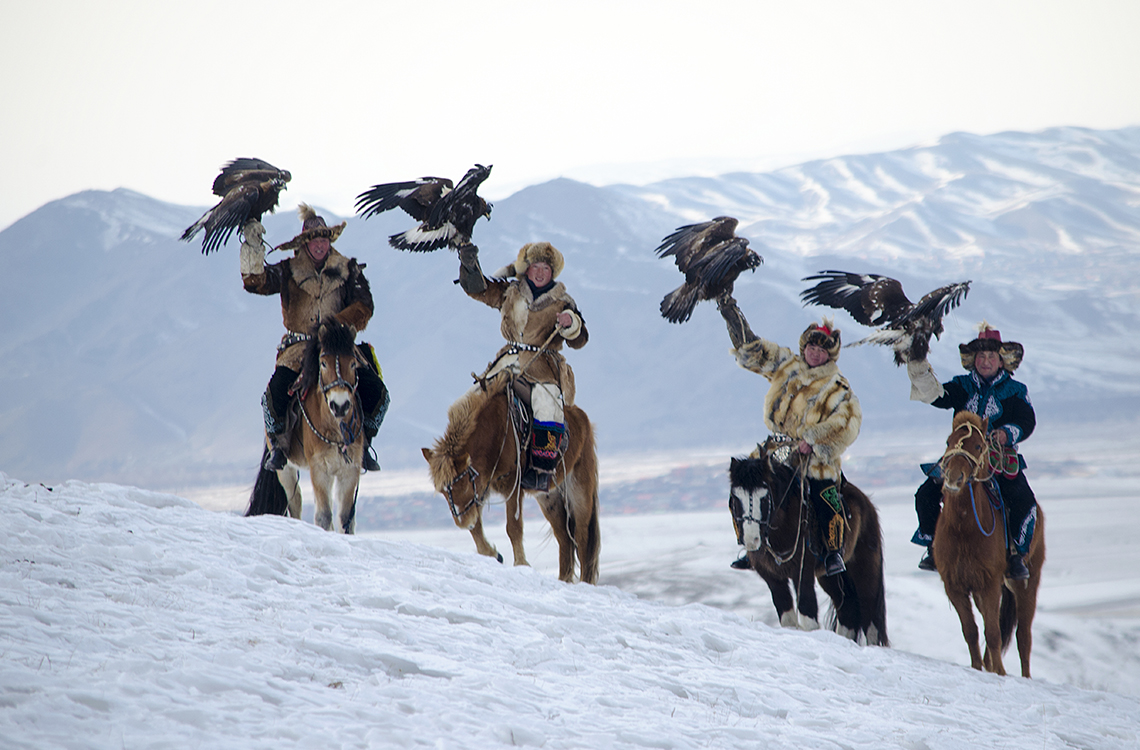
[(538, 315), (317, 283), (811, 402), (989, 391)]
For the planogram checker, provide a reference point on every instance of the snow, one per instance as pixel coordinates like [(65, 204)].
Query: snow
[(138, 619)]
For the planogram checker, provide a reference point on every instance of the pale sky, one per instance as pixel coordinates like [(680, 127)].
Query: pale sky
[(154, 96)]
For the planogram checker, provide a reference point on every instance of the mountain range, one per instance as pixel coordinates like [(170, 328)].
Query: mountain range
[(127, 356)]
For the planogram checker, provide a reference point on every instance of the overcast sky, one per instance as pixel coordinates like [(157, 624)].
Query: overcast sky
[(154, 96)]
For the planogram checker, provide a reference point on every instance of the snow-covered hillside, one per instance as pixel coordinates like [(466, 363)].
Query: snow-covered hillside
[(136, 619), (127, 356)]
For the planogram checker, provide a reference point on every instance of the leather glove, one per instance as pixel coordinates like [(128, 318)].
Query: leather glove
[(252, 248), (469, 257)]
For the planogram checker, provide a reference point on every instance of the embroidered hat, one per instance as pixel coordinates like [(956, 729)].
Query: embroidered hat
[(989, 340), (824, 335), (312, 226)]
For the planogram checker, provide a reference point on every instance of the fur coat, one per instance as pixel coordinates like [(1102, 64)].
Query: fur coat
[(309, 295), (531, 321), (813, 404)]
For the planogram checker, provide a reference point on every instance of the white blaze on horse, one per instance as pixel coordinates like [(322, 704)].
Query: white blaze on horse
[(326, 436), (971, 552), (483, 450)]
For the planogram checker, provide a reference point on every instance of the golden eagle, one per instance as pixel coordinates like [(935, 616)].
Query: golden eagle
[(248, 188), (447, 215), (875, 300), (711, 256)]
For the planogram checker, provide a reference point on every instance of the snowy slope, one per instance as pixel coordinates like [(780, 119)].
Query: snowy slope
[(136, 619)]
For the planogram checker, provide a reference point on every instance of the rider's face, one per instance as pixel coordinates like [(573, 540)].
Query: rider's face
[(987, 364), (539, 274), (318, 248), (815, 355)]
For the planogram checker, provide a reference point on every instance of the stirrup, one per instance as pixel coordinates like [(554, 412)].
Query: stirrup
[(833, 563), (1017, 570), (275, 461), (368, 460), (927, 561), (741, 563)]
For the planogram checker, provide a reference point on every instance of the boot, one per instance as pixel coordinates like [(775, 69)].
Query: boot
[(927, 561), (1017, 570), (368, 460), (276, 459), (833, 563), (535, 480), (741, 563)]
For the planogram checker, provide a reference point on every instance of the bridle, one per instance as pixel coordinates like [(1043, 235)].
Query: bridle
[(350, 428), (476, 499), (768, 508), (978, 462)]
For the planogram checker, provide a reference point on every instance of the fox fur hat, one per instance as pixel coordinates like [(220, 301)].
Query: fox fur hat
[(312, 226), (824, 335), (989, 340), (533, 252)]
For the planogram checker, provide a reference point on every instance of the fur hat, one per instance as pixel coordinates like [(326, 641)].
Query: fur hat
[(312, 226), (538, 252), (825, 336), (989, 340)]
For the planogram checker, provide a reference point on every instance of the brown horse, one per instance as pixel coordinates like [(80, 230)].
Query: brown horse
[(970, 550), (777, 530), (327, 435), (480, 452)]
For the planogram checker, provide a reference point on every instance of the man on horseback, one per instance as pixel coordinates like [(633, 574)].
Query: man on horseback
[(810, 402), (538, 315), (989, 391), (316, 284)]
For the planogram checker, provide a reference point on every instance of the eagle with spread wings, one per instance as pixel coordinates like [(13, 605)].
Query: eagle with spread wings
[(879, 301), (447, 214), (711, 256), (248, 189)]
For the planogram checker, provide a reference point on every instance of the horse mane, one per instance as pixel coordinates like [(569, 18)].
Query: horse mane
[(746, 472), (462, 417), (332, 337)]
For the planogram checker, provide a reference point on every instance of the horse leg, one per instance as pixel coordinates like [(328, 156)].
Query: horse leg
[(347, 483), (554, 507), (482, 546), (806, 603), (515, 525), (290, 479), (845, 602), (960, 600), (781, 589), (581, 488), (989, 604), (321, 480), (1026, 596)]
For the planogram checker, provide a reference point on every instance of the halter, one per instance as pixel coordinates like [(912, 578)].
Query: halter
[(350, 429), (766, 513), (476, 499), (977, 462)]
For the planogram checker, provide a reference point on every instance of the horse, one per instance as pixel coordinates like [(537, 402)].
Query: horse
[(970, 550), (481, 452), (326, 434), (778, 533)]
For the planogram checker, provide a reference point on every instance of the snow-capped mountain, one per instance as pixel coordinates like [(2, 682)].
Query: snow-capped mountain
[(127, 356)]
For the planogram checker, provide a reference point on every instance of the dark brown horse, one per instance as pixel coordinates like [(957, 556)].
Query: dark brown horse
[(480, 453), (779, 534), (970, 551), (327, 435)]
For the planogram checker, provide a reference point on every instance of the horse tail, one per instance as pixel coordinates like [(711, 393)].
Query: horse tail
[(1007, 619), (268, 497)]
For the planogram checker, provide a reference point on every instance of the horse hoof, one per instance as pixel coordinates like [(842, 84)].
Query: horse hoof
[(498, 557)]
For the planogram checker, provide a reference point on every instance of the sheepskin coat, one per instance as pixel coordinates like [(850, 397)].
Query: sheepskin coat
[(531, 321), (813, 404), (309, 295)]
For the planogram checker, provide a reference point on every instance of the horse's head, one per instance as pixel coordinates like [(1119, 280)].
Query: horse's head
[(330, 363), (967, 451), (455, 478), (749, 484)]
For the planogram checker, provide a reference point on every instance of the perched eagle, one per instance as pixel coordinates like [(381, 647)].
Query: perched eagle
[(879, 301), (248, 188), (447, 215), (711, 256)]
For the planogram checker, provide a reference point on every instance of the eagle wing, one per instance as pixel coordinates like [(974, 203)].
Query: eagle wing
[(712, 257), (939, 302), (691, 241), (871, 299), (415, 197)]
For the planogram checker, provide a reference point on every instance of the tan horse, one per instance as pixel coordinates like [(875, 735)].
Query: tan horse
[(327, 435), (480, 453), (971, 553)]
